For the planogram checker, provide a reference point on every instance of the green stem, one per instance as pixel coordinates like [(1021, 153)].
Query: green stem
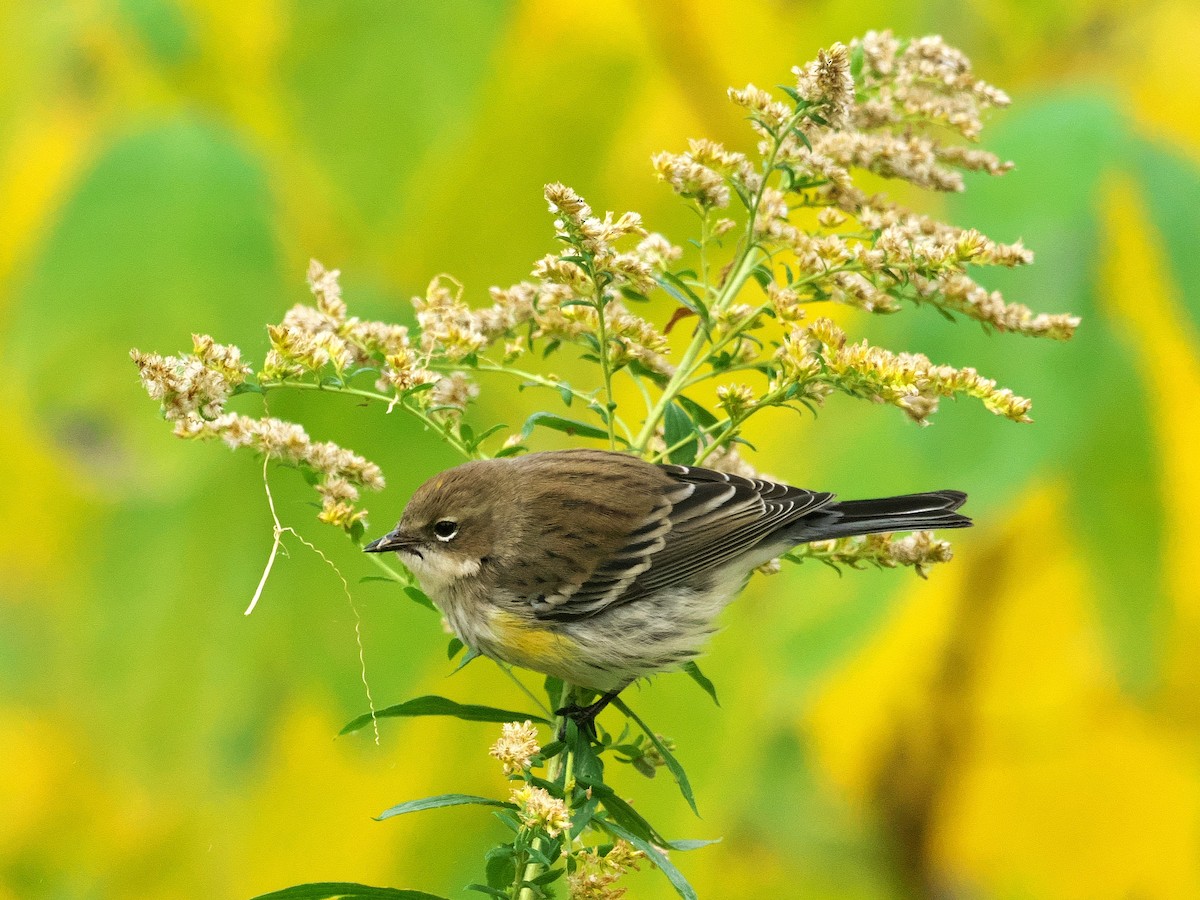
[(388, 570), (683, 442), (486, 365), (732, 424), (742, 267), (605, 366), (704, 238), (443, 431), (563, 764), (687, 365)]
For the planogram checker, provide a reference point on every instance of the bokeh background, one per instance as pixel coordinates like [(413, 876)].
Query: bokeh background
[(1025, 724)]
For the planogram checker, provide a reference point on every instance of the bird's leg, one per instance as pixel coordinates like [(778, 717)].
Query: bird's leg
[(585, 716)]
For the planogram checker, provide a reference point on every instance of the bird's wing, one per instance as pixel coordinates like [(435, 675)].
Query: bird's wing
[(702, 521)]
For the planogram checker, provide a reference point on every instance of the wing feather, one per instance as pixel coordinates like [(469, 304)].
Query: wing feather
[(708, 519)]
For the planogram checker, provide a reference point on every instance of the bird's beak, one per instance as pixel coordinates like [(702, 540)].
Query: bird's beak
[(393, 540)]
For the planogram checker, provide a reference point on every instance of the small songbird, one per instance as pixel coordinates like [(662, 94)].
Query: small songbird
[(599, 568)]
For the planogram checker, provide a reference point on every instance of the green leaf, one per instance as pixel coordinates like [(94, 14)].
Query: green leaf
[(698, 413), (440, 801), (432, 705), (624, 814), (558, 423), (677, 427), (548, 877), (673, 765), (554, 691), (490, 891), (418, 389), (454, 648), (681, 291), (564, 391), (471, 655), (326, 890), (1170, 184), (487, 433), (693, 672), (501, 867), (587, 763), (642, 372), (418, 597)]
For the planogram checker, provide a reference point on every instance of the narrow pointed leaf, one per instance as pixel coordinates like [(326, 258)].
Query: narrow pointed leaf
[(673, 765), (469, 657), (440, 801), (433, 705), (681, 885), (328, 890), (693, 672), (417, 596), (565, 425)]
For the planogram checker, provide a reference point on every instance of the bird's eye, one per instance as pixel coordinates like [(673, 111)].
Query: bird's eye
[(446, 529)]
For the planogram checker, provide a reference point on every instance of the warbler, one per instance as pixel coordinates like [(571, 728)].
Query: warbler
[(600, 568)]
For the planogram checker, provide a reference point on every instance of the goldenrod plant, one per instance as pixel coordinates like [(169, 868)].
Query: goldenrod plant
[(783, 232)]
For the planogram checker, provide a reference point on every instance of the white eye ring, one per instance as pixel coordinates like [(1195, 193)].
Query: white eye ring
[(445, 530)]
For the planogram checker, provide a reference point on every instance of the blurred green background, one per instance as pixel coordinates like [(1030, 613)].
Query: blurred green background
[(1025, 724)]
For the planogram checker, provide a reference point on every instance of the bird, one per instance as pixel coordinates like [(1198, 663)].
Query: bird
[(599, 568)]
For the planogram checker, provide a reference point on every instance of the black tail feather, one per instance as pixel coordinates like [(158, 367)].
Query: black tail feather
[(910, 512)]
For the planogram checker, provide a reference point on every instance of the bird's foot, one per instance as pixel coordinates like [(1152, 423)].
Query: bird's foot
[(584, 717)]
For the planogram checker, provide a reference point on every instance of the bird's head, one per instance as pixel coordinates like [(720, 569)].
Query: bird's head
[(452, 524)]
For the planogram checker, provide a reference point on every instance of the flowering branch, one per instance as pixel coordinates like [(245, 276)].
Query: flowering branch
[(806, 234)]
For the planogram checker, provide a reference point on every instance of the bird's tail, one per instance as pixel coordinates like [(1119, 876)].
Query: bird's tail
[(910, 512)]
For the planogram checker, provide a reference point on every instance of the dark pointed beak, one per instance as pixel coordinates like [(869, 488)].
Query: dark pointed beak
[(393, 540)]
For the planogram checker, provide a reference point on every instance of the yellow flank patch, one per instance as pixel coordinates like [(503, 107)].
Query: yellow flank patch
[(529, 644)]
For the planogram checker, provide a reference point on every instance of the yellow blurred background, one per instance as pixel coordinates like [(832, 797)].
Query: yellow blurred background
[(1025, 724)]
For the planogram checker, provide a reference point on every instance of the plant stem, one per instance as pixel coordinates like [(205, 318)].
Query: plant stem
[(687, 365), (743, 265), (732, 424), (486, 365), (443, 431), (683, 442), (563, 764), (605, 365)]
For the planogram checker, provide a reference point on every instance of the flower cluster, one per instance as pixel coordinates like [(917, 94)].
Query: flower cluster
[(516, 746), (196, 386), (540, 810), (310, 338), (596, 874), (919, 550), (193, 390), (906, 380), (572, 290), (923, 79), (880, 105), (704, 172), (827, 84)]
